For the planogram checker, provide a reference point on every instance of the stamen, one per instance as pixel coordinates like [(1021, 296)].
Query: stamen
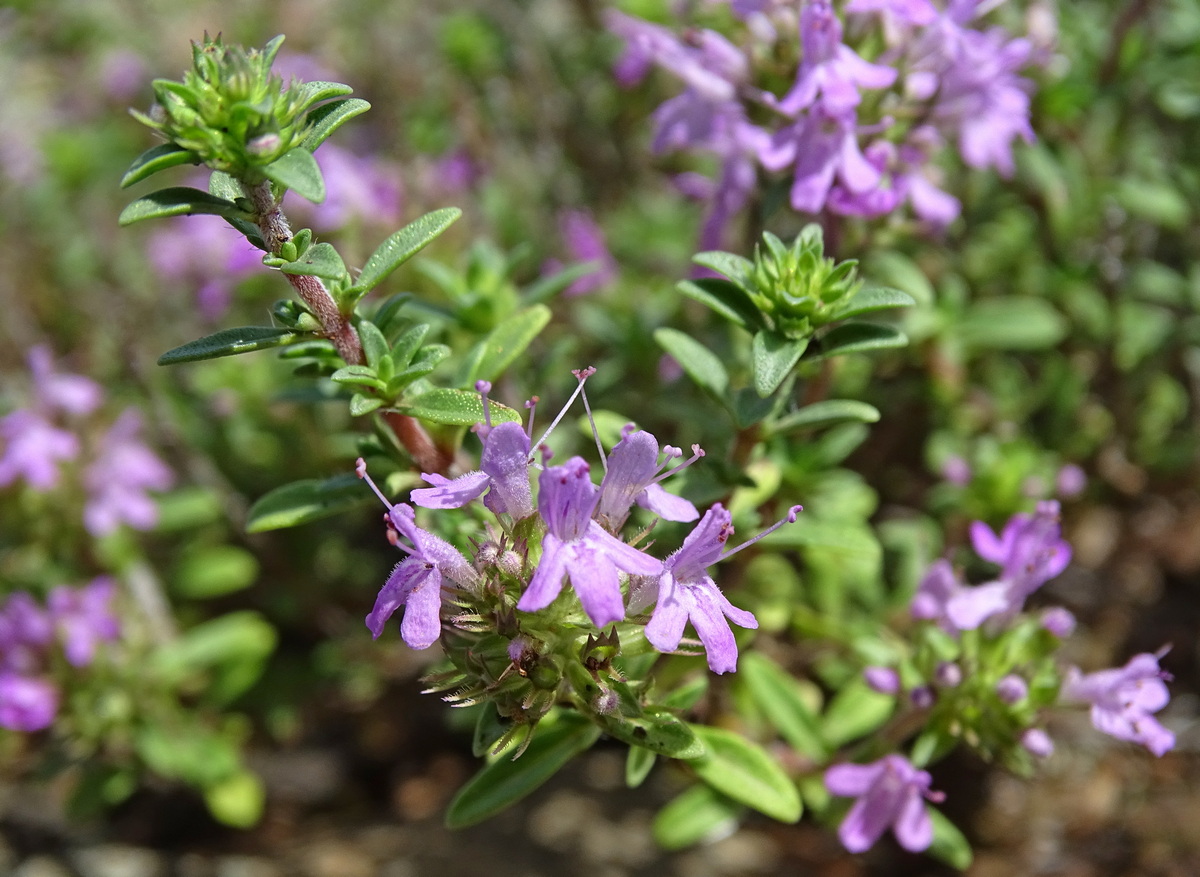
[(592, 421), (532, 406), (581, 375), (672, 452), (790, 519), (360, 469), (483, 388)]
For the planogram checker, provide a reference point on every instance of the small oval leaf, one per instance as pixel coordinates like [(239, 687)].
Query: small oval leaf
[(745, 772), (303, 501), (327, 118), (179, 201), (698, 814), (319, 260), (824, 413), (403, 245), (878, 298), (701, 364), (455, 408), (297, 170), (159, 158), (229, 342), (858, 337), (782, 702), (726, 298), (502, 783), (772, 358)]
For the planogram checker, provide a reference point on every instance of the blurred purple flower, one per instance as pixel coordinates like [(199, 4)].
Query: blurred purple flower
[(25, 631), (207, 252), (885, 680), (357, 189), (119, 477), (454, 172), (60, 391), (820, 149), (1012, 689), (1070, 481), (33, 448), (84, 618), (1058, 621), (577, 547), (26, 704), (891, 794), (957, 471), (123, 75), (1124, 700), (585, 242), (686, 592)]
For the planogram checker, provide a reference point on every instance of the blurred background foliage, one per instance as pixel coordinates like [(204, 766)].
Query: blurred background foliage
[(1057, 320)]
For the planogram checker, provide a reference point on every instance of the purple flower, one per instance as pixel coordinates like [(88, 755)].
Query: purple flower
[(33, 449), (908, 12), (503, 467), (579, 548), (1037, 742), (686, 592), (1070, 481), (1124, 700), (84, 618), (957, 470), (1029, 549), (885, 680), (119, 477), (25, 631), (821, 148), (585, 243), (1058, 621), (891, 794), (58, 391), (358, 189), (416, 582), (26, 704), (633, 475), (830, 72), (1012, 689), (210, 254)]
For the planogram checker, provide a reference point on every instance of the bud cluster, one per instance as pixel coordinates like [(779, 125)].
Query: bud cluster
[(795, 286)]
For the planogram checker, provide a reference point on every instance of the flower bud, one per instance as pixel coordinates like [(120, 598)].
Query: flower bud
[(1012, 689), (1037, 742), (1058, 621), (885, 680), (922, 697), (947, 675)]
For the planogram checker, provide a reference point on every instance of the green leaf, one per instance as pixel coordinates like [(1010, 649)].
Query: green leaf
[(237, 801), (327, 118), (358, 376), (361, 403), (297, 170), (304, 501), (408, 344), (877, 298), (949, 844), (1014, 323), (773, 356), (750, 408), (229, 342), (502, 783), (638, 764), (232, 648), (156, 159), (701, 364), (375, 346), (455, 408), (782, 701), (726, 298), (179, 201), (318, 90), (736, 268), (854, 712), (659, 731), (858, 337), (402, 246), (508, 341), (824, 413), (697, 814), (745, 772), (319, 260), (213, 571)]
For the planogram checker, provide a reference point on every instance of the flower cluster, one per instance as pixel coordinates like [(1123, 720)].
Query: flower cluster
[(570, 532), (117, 469), (74, 621), (858, 137)]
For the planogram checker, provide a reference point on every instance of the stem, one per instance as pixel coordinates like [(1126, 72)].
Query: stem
[(273, 226), (337, 327)]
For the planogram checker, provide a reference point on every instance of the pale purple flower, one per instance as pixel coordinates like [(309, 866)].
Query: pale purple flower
[(820, 148), (585, 242), (908, 12), (123, 75), (119, 478), (357, 189), (60, 391), (686, 592), (1058, 621), (830, 72), (33, 449), (25, 631), (206, 252), (577, 547), (1070, 481), (26, 703), (1124, 700), (710, 64), (922, 697), (1029, 549), (957, 471), (885, 680), (1037, 742), (503, 472), (905, 176), (1012, 689), (454, 172), (891, 794), (633, 474), (84, 618), (947, 674)]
